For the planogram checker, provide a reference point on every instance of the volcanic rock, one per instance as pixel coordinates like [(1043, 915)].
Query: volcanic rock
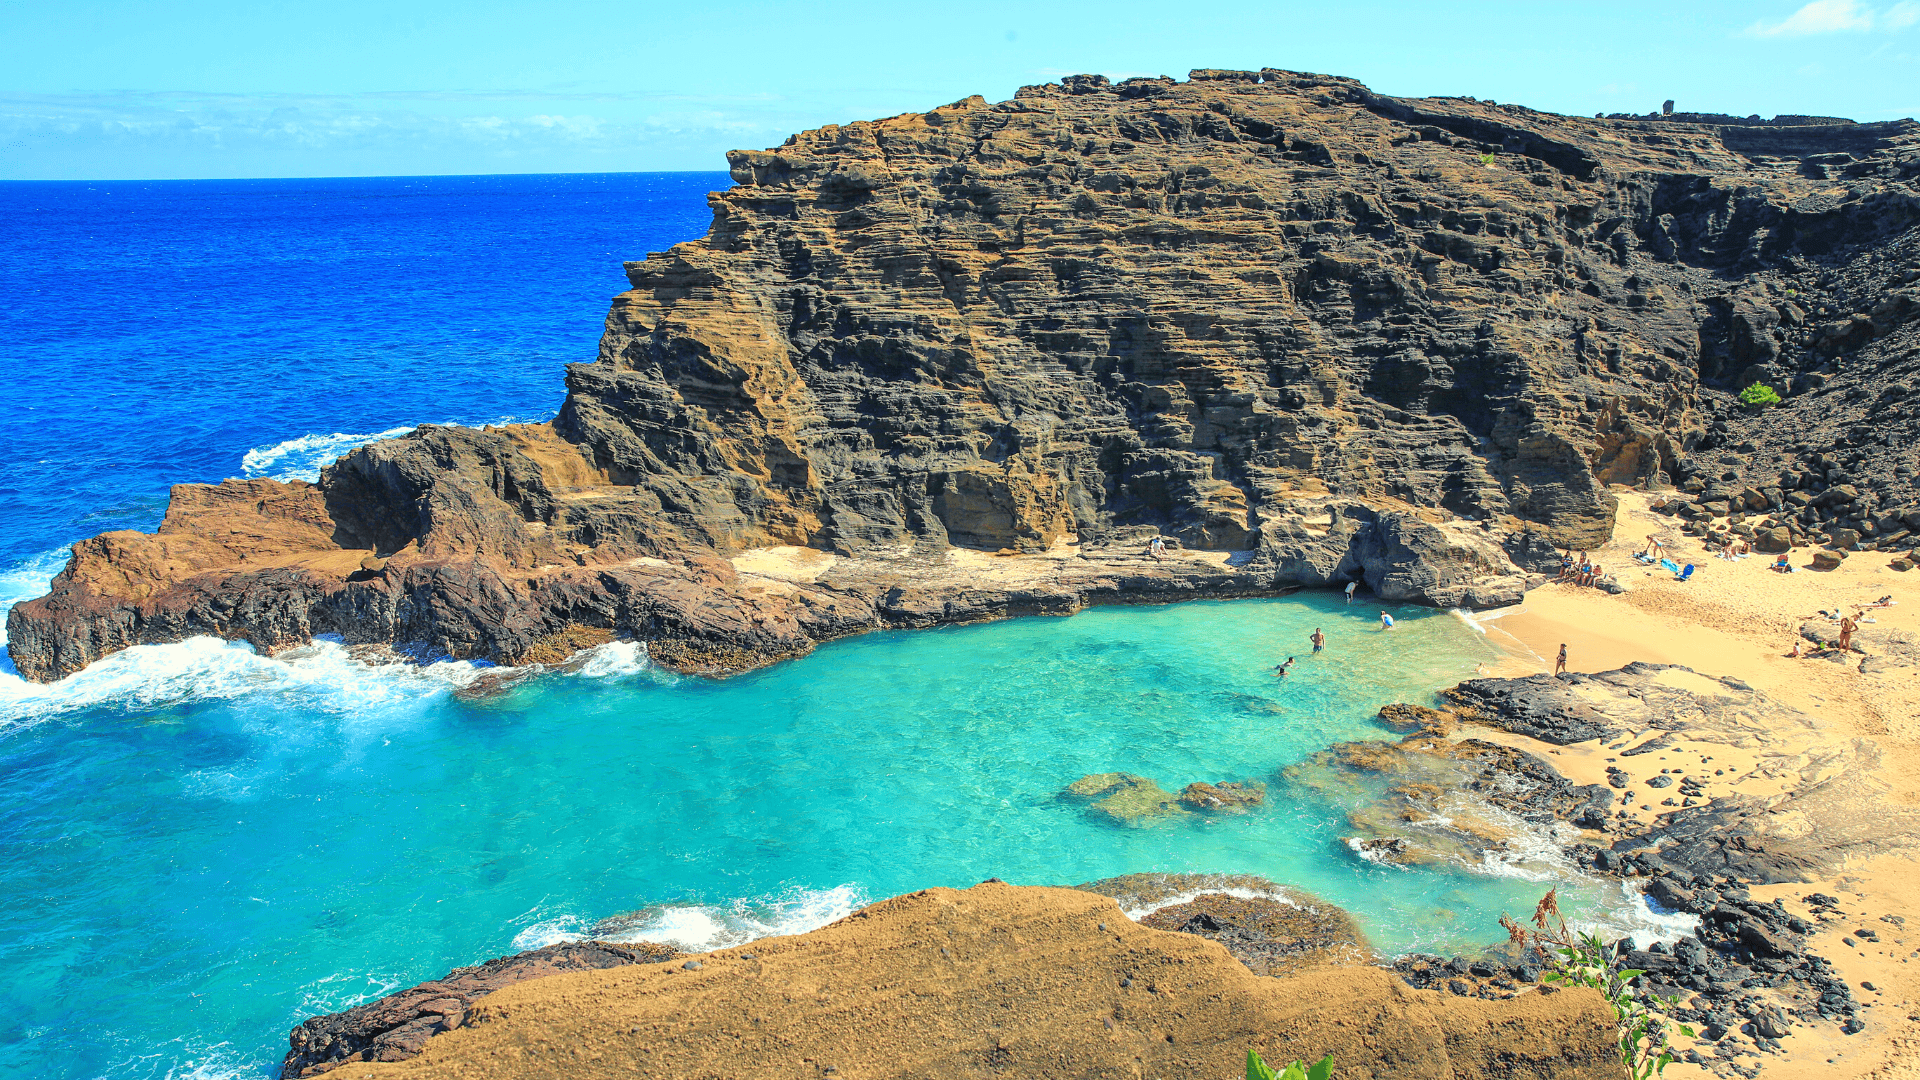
[(1308, 332)]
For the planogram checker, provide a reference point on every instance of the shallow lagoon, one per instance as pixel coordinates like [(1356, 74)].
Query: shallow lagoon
[(205, 846)]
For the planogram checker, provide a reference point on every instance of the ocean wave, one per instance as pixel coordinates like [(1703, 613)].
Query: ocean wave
[(302, 457), (614, 660), (26, 580), (326, 675), (1277, 893), (704, 927)]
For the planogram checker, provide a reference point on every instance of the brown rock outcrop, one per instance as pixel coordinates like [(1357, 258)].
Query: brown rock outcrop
[(1307, 332), (397, 1026), (1001, 981)]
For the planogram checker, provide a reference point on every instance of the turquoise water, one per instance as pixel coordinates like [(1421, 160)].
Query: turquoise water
[(204, 846), (200, 847)]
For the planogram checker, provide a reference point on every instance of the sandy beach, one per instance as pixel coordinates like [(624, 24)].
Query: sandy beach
[(1740, 619)]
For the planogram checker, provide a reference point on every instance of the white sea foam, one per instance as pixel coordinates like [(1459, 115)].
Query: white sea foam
[(614, 660), (302, 457), (25, 580), (1277, 893), (705, 927), (207, 668)]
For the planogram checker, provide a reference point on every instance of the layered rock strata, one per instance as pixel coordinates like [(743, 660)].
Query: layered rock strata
[(1273, 316)]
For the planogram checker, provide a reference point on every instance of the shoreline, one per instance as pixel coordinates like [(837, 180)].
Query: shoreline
[(1738, 619)]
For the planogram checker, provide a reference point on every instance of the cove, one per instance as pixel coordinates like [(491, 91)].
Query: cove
[(205, 846)]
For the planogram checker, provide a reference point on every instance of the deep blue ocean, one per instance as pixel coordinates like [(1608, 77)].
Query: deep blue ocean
[(199, 847)]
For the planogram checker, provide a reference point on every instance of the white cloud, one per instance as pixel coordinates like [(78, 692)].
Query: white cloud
[(1839, 16)]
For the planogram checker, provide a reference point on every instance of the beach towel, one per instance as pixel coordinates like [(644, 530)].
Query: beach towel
[(1670, 565)]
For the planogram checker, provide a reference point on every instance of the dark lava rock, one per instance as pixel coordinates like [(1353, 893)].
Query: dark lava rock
[(397, 1026), (1539, 706), (1281, 933)]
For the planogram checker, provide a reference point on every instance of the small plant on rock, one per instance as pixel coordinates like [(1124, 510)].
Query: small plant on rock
[(1759, 396), (1260, 1070), (1584, 960), (1487, 160)]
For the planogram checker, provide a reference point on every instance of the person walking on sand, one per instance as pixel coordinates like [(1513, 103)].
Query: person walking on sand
[(1386, 621), (1319, 640), (1560, 662), (1281, 671), (1351, 585)]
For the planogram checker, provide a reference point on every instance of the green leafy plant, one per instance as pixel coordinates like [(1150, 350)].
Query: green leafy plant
[(1260, 1070), (1584, 960), (1759, 395), (1487, 160)]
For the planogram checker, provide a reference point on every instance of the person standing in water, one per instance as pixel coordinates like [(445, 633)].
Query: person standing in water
[(1319, 640), (1281, 671), (1560, 662), (1386, 621), (1351, 585)]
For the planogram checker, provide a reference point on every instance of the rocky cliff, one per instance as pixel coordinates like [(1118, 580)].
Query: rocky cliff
[(1308, 332)]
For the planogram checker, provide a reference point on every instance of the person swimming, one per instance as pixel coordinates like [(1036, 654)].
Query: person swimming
[(1281, 671)]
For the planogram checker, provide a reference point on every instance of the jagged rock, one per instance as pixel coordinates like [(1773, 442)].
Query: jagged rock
[(1271, 315), (1226, 795)]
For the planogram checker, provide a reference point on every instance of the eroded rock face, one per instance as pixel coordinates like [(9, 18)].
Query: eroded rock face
[(1324, 334)]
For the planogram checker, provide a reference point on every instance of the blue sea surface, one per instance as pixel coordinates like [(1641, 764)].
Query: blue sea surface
[(200, 847)]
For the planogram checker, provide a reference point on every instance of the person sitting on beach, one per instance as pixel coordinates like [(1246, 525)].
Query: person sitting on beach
[(1782, 565), (1566, 566), (1796, 653), (1743, 549), (1386, 621), (1594, 575), (1281, 671)]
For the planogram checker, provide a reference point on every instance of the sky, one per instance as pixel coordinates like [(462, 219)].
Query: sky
[(139, 89)]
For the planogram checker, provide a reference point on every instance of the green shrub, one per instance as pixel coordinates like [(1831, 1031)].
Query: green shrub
[(1585, 960), (1759, 395), (1487, 160), (1259, 1070)]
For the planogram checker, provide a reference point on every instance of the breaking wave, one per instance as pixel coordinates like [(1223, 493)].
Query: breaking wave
[(303, 457), (325, 675), (701, 927)]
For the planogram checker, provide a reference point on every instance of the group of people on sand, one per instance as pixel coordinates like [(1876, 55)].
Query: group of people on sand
[(1848, 624), (1580, 571)]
